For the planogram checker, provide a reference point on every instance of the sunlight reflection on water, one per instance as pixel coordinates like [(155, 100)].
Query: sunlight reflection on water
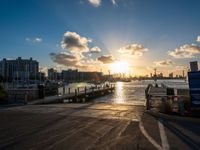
[(127, 93), (134, 92), (119, 93)]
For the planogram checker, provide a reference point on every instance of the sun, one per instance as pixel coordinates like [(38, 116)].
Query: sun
[(120, 67)]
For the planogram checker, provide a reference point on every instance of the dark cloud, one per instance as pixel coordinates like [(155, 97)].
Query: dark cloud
[(106, 59), (163, 63), (136, 50), (74, 42), (64, 59)]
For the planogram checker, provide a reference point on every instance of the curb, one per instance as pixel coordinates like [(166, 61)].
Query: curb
[(174, 118)]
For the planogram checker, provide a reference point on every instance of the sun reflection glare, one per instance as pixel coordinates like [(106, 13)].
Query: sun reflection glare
[(119, 93), (119, 67)]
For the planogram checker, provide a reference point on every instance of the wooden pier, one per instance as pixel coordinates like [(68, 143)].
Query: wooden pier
[(77, 96)]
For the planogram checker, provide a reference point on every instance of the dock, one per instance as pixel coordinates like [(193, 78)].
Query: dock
[(154, 96), (167, 100), (77, 96)]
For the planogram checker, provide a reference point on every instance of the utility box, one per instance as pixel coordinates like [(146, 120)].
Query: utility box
[(194, 85)]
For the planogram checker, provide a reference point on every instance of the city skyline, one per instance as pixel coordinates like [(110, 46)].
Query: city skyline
[(96, 35)]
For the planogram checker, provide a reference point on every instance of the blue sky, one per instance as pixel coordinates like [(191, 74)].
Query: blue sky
[(35, 28)]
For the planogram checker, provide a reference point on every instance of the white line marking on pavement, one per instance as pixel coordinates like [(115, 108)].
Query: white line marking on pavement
[(144, 132), (163, 136)]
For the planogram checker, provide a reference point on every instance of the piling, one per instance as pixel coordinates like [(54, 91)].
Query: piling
[(63, 89)]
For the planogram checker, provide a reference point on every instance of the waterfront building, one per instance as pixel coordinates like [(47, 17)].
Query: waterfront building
[(89, 76), (54, 75), (70, 75), (77, 76), (19, 69)]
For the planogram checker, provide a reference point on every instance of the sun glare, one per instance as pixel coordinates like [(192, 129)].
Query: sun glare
[(119, 67)]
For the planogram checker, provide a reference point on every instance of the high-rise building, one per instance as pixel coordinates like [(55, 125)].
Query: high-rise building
[(19, 69)]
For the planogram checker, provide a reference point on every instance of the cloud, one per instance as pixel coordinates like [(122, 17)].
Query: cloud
[(106, 59), (89, 64), (114, 2), (181, 68), (34, 40), (43, 69), (95, 49), (163, 63), (135, 50), (69, 60), (198, 38), (64, 59), (95, 3), (74, 42), (185, 51), (38, 39)]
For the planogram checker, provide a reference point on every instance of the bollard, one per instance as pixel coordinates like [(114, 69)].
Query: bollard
[(83, 100), (75, 92), (85, 90), (63, 89), (26, 99)]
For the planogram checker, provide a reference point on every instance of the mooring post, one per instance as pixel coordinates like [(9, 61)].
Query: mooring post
[(75, 95), (63, 89), (85, 90), (75, 92), (68, 90), (92, 90)]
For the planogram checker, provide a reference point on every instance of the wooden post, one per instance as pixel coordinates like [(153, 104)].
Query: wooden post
[(68, 90), (75, 97), (26, 99), (148, 102), (75, 92), (63, 89), (85, 90), (92, 90)]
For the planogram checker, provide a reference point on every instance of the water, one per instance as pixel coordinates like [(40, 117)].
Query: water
[(134, 92), (128, 92)]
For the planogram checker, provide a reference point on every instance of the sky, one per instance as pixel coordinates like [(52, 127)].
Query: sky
[(92, 35)]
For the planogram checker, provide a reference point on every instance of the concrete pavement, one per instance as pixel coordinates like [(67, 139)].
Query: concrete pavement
[(90, 126)]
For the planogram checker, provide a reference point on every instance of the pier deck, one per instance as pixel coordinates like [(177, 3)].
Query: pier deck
[(154, 96), (77, 96)]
